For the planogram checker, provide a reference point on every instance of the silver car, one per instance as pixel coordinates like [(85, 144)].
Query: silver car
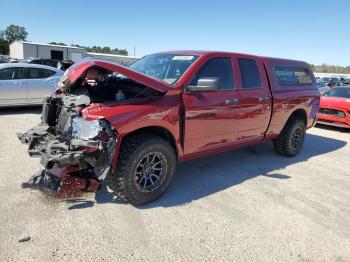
[(323, 87), (26, 84)]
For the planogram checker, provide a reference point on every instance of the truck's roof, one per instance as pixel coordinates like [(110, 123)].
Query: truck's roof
[(197, 52), (207, 52)]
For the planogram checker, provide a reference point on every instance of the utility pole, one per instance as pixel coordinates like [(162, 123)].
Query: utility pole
[(134, 50)]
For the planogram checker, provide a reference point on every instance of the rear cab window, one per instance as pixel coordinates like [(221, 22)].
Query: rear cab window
[(289, 75), (292, 75), (219, 67)]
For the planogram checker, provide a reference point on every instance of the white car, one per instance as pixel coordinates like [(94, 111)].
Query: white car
[(26, 84)]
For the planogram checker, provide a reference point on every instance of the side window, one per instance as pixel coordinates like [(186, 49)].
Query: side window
[(249, 73), (44, 73), (11, 73), (7, 74), (292, 75), (220, 68), (34, 73), (37, 73)]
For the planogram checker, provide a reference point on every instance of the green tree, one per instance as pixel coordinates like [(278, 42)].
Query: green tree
[(55, 43), (324, 68), (104, 50), (95, 49), (4, 47), (15, 33), (122, 51)]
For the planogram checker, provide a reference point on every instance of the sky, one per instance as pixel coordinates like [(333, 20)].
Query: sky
[(316, 31)]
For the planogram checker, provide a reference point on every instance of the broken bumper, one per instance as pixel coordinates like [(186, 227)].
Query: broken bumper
[(45, 145), (65, 172), (76, 154), (70, 166), (64, 181)]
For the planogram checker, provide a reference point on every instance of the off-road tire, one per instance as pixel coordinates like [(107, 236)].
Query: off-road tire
[(283, 144), (131, 151)]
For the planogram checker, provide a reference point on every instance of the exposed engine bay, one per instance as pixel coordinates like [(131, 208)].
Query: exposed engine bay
[(101, 85), (77, 154)]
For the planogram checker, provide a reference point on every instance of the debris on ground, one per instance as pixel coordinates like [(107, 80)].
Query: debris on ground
[(24, 239)]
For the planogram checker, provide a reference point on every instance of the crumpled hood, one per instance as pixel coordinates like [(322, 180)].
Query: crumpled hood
[(335, 102), (75, 71)]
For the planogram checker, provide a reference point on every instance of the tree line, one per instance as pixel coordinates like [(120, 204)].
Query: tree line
[(97, 49), (324, 68)]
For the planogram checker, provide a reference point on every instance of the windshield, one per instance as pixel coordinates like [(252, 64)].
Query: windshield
[(338, 92), (166, 67)]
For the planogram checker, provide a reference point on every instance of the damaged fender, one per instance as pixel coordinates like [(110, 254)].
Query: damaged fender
[(69, 142)]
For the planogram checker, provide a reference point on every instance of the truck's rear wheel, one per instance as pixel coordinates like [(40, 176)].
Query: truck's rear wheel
[(145, 168), (291, 140)]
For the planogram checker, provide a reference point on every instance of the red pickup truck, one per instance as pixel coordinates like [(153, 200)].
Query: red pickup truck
[(130, 125)]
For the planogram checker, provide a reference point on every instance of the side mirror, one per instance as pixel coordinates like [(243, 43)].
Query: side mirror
[(205, 84)]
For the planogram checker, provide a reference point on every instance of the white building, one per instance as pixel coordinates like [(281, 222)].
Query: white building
[(25, 50)]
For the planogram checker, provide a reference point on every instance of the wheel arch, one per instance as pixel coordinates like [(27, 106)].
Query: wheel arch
[(284, 142), (156, 130), (298, 114)]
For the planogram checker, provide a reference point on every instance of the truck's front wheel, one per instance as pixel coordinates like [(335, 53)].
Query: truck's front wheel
[(145, 168), (291, 140)]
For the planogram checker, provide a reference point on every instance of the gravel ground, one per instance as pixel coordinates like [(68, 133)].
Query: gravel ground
[(246, 205)]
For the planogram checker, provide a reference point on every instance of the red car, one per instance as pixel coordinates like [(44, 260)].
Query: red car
[(335, 107), (131, 125)]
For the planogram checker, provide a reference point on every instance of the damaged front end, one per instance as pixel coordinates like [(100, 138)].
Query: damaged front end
[(76, 153)]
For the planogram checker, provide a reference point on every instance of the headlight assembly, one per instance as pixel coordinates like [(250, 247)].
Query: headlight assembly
[(85, 129)]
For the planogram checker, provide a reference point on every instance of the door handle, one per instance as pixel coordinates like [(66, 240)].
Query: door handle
[(232, 101), (18, 83), (263, 99)]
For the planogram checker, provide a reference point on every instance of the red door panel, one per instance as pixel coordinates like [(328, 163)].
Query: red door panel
[(211, 119), (255, 100)]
